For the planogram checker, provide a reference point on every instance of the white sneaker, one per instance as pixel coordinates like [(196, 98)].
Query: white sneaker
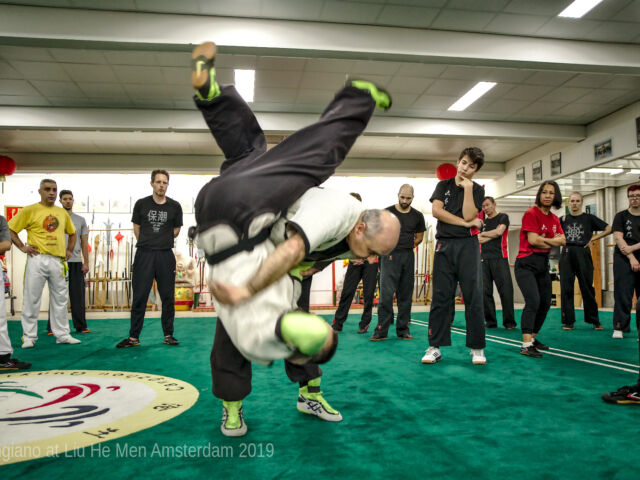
[(68, 339), (28, 342), (477, 356), (616, 334), (432, 355)]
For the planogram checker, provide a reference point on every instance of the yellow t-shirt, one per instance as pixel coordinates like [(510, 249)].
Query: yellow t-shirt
[(45, 227)]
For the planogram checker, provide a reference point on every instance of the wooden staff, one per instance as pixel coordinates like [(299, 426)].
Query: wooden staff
[(96, 246)]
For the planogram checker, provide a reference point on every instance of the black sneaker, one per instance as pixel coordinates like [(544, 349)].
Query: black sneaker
[(405, 336), (376, 337), (363, 329), (568, 327), (598, 326), (336, 327), (624, 395), (530, 351), (127, 342), (170, 340), (539, 345), (510, 327), (14, 364)]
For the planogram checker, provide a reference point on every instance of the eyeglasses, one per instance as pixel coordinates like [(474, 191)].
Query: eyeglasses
[(635, 197)]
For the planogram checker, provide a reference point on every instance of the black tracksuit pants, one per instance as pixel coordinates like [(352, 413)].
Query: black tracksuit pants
[(575, 262), (626, 281), (456, 260), (497, 270), (147, 266), (532, 275), (254, 181), (368, 272), (76, 296), (396, 276)]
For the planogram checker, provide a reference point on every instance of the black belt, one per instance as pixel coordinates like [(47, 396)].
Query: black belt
[(244, 245)]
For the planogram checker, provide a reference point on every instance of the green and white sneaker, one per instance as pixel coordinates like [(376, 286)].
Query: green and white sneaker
[(311, 402), (232, 419), (203, 75)]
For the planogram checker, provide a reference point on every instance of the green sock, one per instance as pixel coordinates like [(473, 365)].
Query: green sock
[(210, 89), (382, 98), (233, 415), (305, 331)]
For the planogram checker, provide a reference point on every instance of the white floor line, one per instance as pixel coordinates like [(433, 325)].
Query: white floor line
[(510, 343)]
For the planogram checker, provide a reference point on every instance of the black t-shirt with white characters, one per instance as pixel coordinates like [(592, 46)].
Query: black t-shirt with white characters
[(453, 197), (157, 222), (497, 247), (629, 225), (578, 230), (411, 223)]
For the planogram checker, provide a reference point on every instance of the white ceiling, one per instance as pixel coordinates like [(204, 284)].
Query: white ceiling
[(124, 56)]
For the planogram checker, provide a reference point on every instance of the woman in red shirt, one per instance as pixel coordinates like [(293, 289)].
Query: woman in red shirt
[(540, 231)]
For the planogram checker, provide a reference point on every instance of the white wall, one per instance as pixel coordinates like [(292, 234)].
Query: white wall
[(95, 194)]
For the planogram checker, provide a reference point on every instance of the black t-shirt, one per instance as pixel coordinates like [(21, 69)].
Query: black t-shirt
[(497, 247), (629, 225), (411, 223), (453, 197), (157, 222), (579, 230)]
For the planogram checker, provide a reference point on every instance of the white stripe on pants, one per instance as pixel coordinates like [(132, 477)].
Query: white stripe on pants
[(40, 269), (5, 342)]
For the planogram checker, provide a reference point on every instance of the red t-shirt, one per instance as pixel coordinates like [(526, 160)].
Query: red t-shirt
[(534, 220)]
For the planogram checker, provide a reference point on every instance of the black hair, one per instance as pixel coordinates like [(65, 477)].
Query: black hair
[(557, 196), (491, 199), (65, 192), (475, 155)]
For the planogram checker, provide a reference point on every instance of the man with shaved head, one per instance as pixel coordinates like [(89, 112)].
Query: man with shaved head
[(263, 221), (396, 269)]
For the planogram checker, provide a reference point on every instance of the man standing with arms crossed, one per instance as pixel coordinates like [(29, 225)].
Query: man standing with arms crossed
[(156, 222), (397, 268), (495, 265), (47, 256)]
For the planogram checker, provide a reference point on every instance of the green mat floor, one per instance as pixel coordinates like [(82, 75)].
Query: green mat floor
[(515, 417)]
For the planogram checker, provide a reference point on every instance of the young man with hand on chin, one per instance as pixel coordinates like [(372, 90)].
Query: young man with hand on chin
[(456, 203)]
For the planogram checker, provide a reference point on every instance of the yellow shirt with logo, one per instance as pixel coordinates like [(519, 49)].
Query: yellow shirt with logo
[(45, 226)]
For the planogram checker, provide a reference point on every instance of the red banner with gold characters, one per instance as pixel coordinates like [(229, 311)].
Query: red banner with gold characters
[(11, 211)]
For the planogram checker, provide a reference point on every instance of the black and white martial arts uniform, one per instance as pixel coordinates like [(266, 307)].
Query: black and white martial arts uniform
[(575, 261), (456, 260), (242, 215), (625, 280)]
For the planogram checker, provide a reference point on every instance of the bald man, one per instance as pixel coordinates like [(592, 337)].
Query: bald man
[(396, 269)]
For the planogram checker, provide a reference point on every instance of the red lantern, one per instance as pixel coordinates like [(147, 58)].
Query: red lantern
[(446, 171), (7, 167)]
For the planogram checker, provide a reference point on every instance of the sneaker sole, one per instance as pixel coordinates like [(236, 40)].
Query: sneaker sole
[(329, 418), (479, 363), (379, 339), (127, 346), (172, 344), (532, 356), (431, 363), (207, 50), (235, 432)]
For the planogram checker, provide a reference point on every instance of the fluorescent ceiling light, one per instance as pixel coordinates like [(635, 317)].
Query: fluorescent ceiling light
[(578, 8), (610, 171), (521, 197), (472, 95), (245, 80)]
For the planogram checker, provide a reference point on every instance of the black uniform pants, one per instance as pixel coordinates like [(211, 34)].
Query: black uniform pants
[(575, 262), (147, 266), (396, 276), (626, 281), (456, 260), (304, 302), (532, 275), (76, 296), (368, 273), (254, 181), (497, 270), (231, 372)]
